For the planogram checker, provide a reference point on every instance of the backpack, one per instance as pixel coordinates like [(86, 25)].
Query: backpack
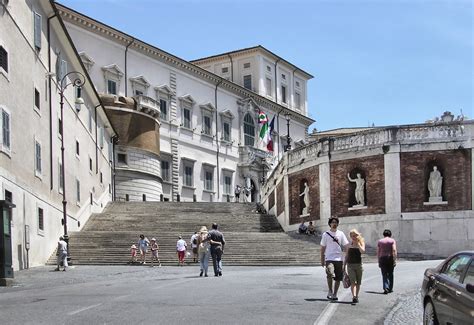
[(195, 241)]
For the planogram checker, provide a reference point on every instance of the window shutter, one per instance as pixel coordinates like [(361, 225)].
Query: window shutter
[(3, 59), (37, 32), (6, 129)]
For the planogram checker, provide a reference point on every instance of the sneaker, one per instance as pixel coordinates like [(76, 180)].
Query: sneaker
[(355, 300), (385, 291), (200, 274), (329, 296), (334, 298), (159, 265)]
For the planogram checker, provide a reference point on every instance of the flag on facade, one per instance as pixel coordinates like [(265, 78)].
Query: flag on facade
[(262, 118), (269, 135)]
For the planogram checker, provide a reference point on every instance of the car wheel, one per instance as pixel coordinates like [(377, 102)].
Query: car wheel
[(429, 314)]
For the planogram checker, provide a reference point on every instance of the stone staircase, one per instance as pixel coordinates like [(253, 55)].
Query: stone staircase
[(252, 239)]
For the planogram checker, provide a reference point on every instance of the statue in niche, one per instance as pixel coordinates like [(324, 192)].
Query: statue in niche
[(434, 183), (305, 195), (359, 191)]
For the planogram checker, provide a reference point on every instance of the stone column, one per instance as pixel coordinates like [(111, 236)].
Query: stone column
[(393, 203), (324, 189)]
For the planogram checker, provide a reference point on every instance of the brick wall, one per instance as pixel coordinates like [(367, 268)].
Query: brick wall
[(296, 187), (342, 191), (280, 198), (455, 168)]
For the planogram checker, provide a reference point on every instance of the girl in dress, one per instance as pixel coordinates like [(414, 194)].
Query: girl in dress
[(154, 252)]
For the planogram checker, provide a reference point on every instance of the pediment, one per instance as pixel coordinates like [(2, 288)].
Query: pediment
[(187, 99), (249, 104), (208, 107), (227, 114), (113, 69), (86, 59), (164, 89), (141, 81)]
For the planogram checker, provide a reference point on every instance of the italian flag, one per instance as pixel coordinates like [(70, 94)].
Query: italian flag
[(262, 118), (266, 134)]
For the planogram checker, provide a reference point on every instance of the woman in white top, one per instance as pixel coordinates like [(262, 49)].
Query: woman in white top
[(181, 250)]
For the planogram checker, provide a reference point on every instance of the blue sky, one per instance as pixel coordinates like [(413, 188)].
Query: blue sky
[(381, 62)]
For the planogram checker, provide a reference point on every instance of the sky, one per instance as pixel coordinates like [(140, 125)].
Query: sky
[(374, 62)]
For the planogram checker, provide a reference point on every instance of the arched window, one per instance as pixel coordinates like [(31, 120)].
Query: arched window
[(249, 130)]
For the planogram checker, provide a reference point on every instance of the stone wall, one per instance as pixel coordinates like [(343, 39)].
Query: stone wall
[(342, 191), (455, 168), (296, 187), (395, 163)]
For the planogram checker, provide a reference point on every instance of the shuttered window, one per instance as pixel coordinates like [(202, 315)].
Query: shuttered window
[(37, 31), (3, 59)]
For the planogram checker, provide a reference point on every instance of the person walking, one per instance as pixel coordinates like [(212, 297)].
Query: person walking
[(133, 254), (387, 256), (203, 250), (194, 245), (217, 241), (332, 247), (181, 250), (154, 252), (62, 254), (143, 244), (353, 263)]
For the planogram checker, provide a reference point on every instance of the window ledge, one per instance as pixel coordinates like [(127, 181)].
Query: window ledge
[(4, 74), (37, 110), (6, 151), (167, 182), (38, 175), (187, 129), (209, 191), (205, 135), (189, 187)]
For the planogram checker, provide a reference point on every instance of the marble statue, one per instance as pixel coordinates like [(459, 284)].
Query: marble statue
[(359, 191), (305, 195), (434, 183)]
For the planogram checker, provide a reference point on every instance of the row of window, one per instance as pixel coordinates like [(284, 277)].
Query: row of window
[(188, 176)]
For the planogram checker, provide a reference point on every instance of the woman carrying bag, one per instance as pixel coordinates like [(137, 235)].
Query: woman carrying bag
[(353, 262)]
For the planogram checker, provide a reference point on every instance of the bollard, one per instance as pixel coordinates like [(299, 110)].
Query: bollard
[(161, 197), (194, 198), (178, 198)]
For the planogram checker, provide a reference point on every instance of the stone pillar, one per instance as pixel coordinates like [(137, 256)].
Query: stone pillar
[(324, 190), (393, 203)]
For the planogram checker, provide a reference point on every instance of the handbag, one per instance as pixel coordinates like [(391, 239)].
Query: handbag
[(346, 282)]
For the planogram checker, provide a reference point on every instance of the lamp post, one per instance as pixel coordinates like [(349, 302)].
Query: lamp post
[(78, 81), (288, 138)]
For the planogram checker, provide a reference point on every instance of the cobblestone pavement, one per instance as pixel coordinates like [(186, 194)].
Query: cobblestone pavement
[(408, 310)]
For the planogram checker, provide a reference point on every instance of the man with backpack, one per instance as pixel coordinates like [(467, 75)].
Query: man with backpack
[(333, 243)]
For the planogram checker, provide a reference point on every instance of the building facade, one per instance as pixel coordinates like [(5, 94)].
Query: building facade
[(35, 56), (209, 126)]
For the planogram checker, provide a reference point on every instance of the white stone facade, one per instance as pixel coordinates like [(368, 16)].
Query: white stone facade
[(30, 155), (203, 154)]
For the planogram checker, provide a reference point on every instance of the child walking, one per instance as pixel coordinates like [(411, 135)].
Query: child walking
[(154, 252), (133, 254)]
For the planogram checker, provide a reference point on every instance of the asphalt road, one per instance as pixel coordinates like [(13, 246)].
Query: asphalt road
[(174, 295)]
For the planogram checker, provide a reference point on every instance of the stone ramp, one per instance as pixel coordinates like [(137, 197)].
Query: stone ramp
[(252, 239)]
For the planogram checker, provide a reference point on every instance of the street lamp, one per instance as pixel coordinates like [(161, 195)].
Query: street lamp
[(288, 138), (78, 81)]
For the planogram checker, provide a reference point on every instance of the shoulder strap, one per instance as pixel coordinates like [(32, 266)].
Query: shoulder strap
[(335, 239)]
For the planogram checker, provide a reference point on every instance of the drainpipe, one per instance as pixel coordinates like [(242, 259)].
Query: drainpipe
[(217, 141), (293, 87), (276, 83), (231, 68), (50, 104), (112, 170), (126, 80)]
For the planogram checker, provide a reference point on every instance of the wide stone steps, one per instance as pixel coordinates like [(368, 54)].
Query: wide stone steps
[(251, 239)]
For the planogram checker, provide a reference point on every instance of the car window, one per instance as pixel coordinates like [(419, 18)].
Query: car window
[(456, 266), (469, 278)]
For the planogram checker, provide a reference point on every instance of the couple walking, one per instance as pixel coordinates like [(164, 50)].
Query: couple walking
[(210, 243), (334, 243)]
